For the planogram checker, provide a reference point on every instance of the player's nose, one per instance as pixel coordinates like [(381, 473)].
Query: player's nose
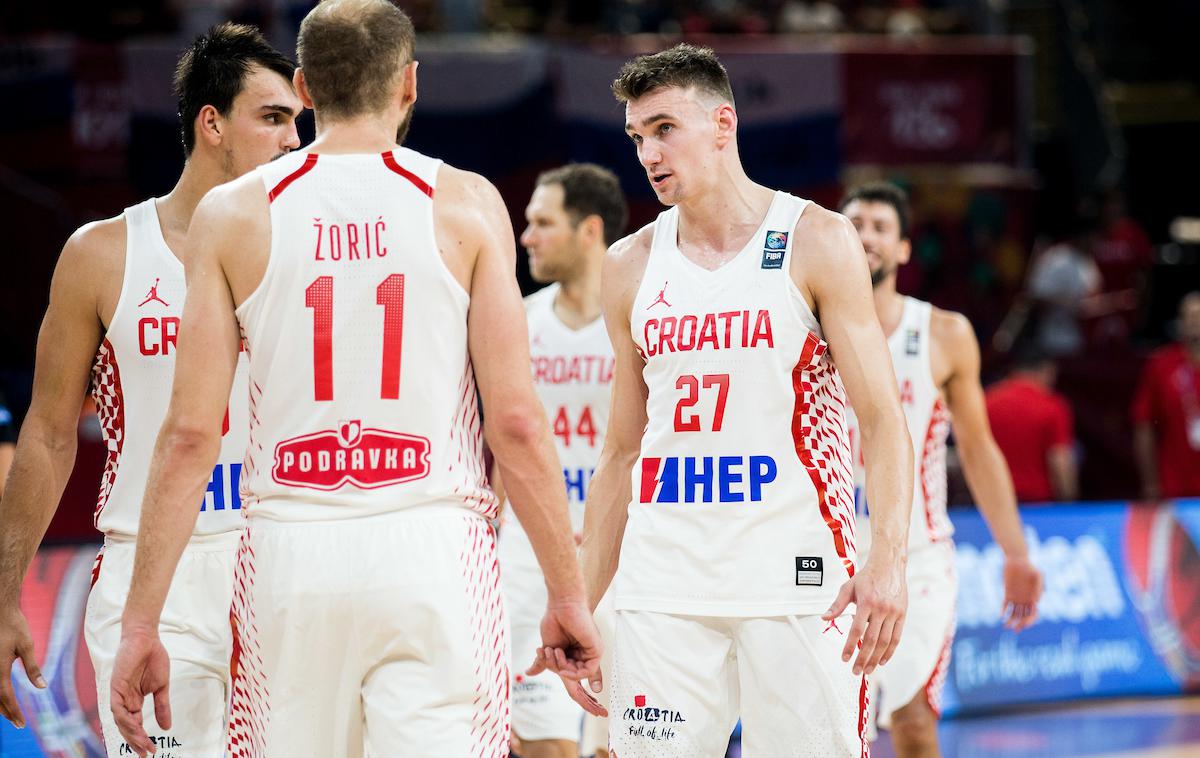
[(291, 139), (649, 156)]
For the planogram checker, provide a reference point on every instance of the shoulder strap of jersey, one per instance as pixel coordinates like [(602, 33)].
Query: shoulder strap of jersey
[(666, 230)]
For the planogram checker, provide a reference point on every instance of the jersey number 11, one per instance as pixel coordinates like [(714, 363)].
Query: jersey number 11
[(389, 294)]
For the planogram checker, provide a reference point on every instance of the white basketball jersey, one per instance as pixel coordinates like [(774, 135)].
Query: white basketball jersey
[(928, 424), (742, 497), (572, 373), (131, 386), (362, 397)]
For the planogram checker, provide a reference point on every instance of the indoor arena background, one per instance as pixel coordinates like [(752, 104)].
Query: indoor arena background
[(1016, 126)]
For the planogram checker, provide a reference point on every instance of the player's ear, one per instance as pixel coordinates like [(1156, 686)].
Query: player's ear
[(726, 123), (301, 86), (904, 252), (208, 126), (408, 86), (592, 228)]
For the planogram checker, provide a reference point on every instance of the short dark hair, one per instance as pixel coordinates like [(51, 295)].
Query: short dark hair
[(213, 70), (881, 192), (590, 190), (351, 52), (683, 66)]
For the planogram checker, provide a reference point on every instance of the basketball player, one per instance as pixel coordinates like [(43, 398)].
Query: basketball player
[(373, 286), (727, 417), (575, 213), (115, 305), (936, 358)]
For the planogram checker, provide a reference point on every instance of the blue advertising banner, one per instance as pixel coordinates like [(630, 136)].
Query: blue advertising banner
[(1120, 614)]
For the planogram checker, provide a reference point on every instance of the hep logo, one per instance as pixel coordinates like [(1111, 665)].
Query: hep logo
[(365, 458)]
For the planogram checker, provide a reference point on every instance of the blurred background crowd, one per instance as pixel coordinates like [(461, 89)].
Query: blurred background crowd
[(1048, 146)]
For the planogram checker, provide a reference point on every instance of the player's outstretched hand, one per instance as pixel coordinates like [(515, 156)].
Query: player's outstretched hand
[(571, 648), (880, 594), (15, 642), (1022, 589), (142, 668)]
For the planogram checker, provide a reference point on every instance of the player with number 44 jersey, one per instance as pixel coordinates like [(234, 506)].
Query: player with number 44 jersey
[(575, 212), (374, 287)]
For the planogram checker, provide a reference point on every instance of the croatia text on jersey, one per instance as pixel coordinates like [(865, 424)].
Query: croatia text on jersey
[(366, 458), (708, 331), (706, 479)]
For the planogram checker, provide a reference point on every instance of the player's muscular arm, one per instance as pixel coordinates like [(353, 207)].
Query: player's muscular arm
[(230, 221), (45, 454), (516, 426), (476, 237), (608, 496), (832, 268), (988, 478)]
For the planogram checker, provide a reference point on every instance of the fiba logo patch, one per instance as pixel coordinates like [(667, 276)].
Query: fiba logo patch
[(912, 342), (773, 248)]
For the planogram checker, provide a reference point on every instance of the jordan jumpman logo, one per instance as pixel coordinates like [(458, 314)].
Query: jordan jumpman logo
[(153, 295), (661, 298)]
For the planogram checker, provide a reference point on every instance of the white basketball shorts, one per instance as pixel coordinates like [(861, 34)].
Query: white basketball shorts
[(679, 684), (541, 707), (382, 636), (195, 630), (919, 664)]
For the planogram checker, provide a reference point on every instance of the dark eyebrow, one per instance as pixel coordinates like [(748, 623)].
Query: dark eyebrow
[(651, 119), (281, 108)]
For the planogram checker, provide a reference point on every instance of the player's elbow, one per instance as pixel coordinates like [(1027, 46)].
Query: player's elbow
[(514, 429), (886, 424), (56, 432), (187, 439)]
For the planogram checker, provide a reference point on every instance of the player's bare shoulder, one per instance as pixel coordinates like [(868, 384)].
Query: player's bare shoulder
[(951, 331), (232, 225), (954, 349), (624, 265), (823, 237), (469, 217), (827, 255), (92, 266)]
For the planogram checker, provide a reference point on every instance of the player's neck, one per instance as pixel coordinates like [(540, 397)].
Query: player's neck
[(722, 218), (200, 174), (371, 133), (577, 303), (889, 305)]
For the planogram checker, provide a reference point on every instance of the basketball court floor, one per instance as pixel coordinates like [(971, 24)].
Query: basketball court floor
[(1151, 728)]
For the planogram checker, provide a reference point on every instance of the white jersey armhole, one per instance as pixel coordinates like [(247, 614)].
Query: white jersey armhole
[(795, 298), (123, 295)]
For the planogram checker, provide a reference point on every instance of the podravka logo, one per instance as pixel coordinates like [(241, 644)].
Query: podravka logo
[(366, 458)]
